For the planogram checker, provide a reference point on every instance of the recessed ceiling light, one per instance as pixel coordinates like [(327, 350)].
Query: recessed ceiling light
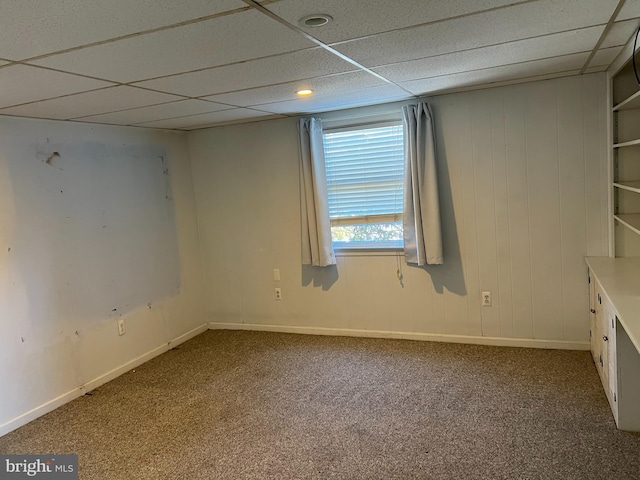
[(316, 20), (305, 92)]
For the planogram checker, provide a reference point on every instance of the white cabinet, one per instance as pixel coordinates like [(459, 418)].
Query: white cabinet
[(603, 342), (614, 287)]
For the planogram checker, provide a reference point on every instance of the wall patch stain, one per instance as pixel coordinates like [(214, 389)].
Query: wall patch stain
[(51, 157), (95, 178)]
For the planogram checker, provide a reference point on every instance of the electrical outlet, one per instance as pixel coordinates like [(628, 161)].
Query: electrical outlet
[(121, 329), (278, 293), (486, 299)]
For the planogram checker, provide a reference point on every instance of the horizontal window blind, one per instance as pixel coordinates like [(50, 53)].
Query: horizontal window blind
[(365, 170)]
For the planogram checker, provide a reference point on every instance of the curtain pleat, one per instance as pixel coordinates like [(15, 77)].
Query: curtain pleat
[(422, 229), (317, 248)]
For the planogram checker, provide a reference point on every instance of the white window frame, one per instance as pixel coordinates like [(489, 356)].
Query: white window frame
[(333, 126)]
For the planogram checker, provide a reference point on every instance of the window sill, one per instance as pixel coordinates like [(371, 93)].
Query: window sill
[(369, 252)]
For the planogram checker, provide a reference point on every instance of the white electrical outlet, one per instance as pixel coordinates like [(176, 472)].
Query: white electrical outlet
[(486, 299), (121, 329), (276, 274), (278, 293)]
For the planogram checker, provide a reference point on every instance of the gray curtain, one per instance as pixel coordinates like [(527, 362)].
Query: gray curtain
[(317, 249), (422, 231)]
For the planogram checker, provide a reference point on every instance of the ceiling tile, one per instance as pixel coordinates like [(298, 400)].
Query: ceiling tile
[(233, 122), (207, 119), (620, 33), (505, 25), (557, 65), (321, 86), (22, 84), (605, 56), (338, 100), (582, 40), (255, 73), (233, 38), (90, 103), (630, 9), (353, 19), (28, 29), (163, 111)]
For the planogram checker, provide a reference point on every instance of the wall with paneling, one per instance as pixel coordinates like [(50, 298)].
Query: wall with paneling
[(524, 199)]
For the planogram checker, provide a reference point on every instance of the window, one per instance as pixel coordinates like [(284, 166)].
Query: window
[(365, 172)]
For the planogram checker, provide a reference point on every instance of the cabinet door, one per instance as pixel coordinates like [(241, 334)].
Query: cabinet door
[(592, 317), (600, 331), (610, 342)]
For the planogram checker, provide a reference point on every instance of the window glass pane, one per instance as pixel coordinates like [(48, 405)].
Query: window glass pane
[(372, 232)]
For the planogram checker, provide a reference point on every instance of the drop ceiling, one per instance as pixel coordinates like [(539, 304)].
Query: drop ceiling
[(190, 65)]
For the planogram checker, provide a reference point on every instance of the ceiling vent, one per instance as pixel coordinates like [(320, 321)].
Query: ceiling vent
[(316, 20)]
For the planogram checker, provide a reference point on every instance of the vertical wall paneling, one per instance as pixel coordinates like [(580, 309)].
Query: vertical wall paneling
[(518, 201), (606, 168), (522, 199), (485, 216), (451, 150), (419, 297), (596, 189), (544, 202), (469, 242), (573, 215), (369, 313), (438, 307), (502, 233), (411, 293)]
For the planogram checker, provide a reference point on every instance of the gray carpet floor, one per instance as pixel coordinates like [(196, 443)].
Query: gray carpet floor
[(252, 405)]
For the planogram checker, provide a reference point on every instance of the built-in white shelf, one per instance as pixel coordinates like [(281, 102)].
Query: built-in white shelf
[(616, 320), (627, 144), (629, 220), (630, 103), (631, 186), (627, 217)]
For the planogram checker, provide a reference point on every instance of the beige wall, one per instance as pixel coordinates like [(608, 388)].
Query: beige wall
[(524, 199), (96, 234)]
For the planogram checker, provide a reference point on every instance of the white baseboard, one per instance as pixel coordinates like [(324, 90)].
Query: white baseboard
[(43, 409), (96, 382), (429, 337), (116, 372)]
